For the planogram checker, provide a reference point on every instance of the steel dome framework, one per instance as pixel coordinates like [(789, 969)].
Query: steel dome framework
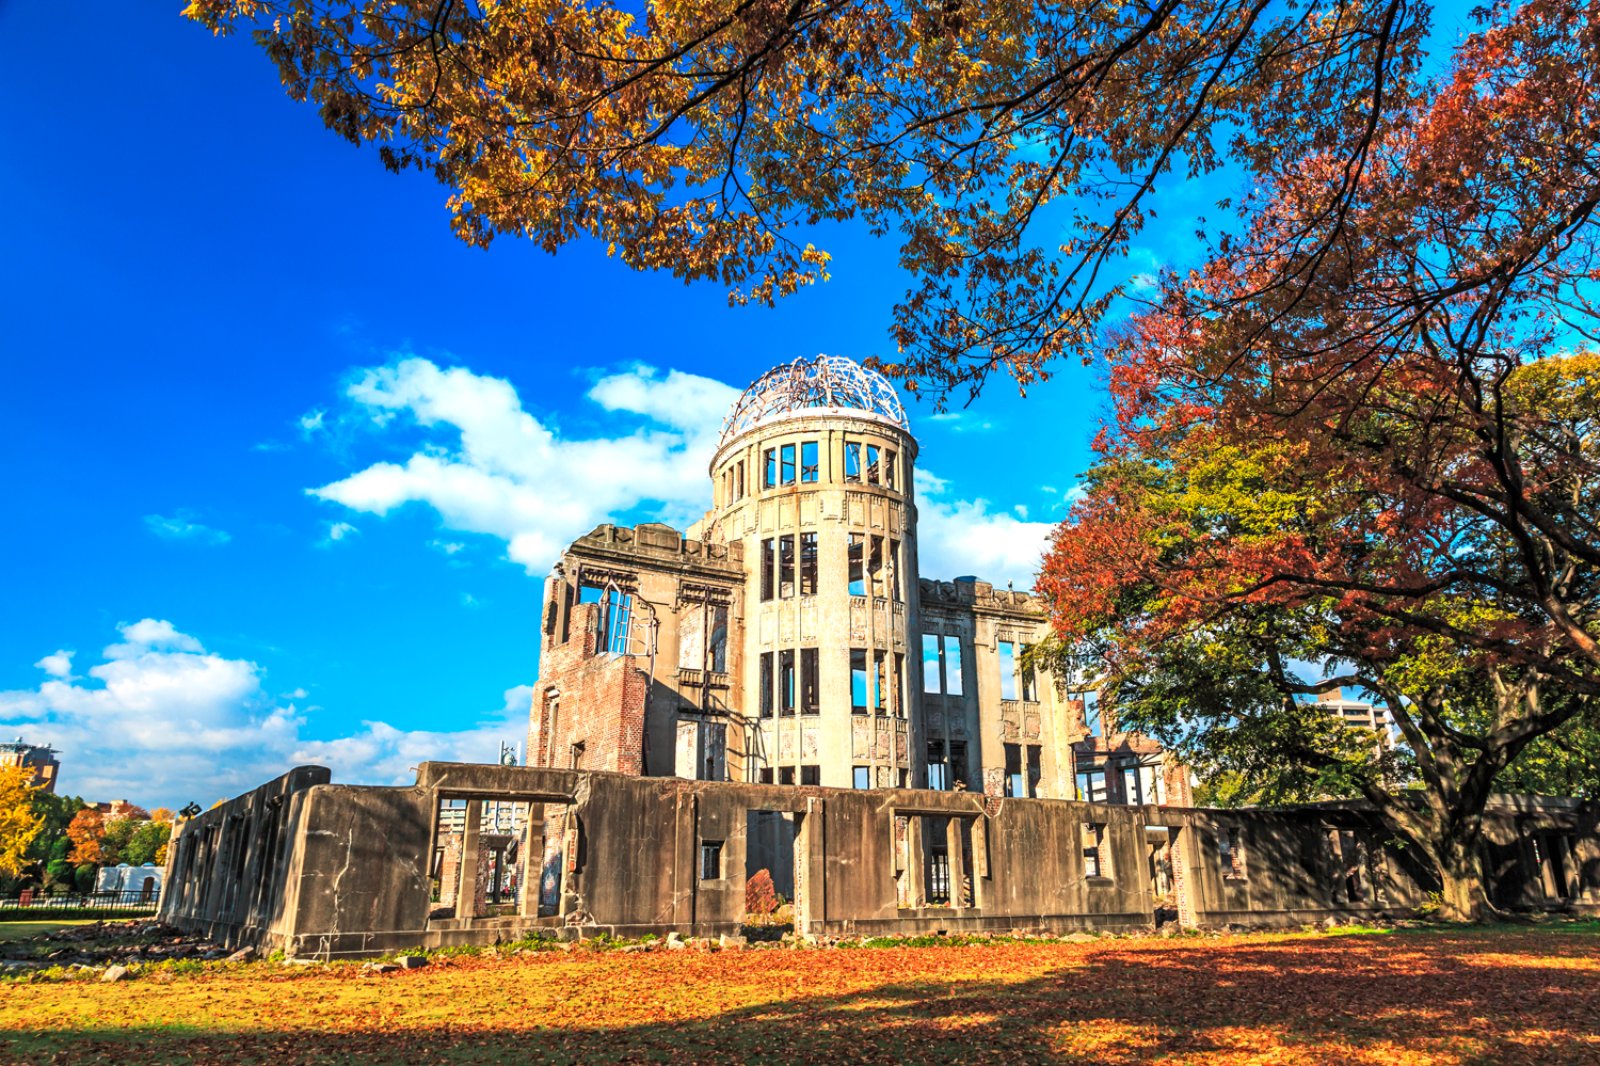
[(821, 382)]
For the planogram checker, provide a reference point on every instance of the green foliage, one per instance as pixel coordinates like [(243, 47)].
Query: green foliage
[(83, 878), (57, 812), (1565, 762)]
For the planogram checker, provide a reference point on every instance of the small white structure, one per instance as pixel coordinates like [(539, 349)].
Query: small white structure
[(144, 881)]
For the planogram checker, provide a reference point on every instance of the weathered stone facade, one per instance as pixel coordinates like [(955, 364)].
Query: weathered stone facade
[(788, 637), (326, 870)]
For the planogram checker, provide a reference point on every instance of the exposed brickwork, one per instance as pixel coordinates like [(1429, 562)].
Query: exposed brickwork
[(590, 699)]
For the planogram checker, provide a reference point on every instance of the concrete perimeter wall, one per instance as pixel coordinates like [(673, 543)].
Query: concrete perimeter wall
[(319, 869)]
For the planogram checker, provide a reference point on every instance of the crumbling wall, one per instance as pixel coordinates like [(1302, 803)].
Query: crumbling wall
[(633, 855)]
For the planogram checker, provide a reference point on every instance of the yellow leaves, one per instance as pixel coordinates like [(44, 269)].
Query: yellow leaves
[(19, 824)]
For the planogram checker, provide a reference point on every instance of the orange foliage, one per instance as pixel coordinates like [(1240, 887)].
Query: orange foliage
[(1284, 1000), (85, 831)]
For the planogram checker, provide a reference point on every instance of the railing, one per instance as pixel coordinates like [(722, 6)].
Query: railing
[(134, 900)]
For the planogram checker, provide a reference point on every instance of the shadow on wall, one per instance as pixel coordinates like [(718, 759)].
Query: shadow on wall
[(1353, 998)]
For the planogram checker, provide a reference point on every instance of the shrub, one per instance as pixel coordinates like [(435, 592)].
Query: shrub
[(83, 878)]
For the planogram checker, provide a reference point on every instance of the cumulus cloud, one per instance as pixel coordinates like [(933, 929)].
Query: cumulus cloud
[(57, 664), (486, 465), (162, 720), (182, 526), (338, 531), (957, 537)]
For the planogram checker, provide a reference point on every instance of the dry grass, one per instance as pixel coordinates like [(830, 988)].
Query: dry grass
[(1505, 997)]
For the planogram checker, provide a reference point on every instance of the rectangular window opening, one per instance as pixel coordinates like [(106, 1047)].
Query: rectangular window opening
[(711, 860), (785, 775), (810, 469), (786, 567), (858, 565), (852, 461), (810, 682), (1008, 670), (769, 458), (766, 684), (952, 666), (786, 465), (931, 670), (873, 468), (1094, 864), (858, 681), (861, 776), (786, 683), (769, 568), (938, 768), (811, 775), (808, 564)]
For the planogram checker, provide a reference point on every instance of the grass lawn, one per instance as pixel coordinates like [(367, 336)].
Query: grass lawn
[(23, 930), (1523, 996)]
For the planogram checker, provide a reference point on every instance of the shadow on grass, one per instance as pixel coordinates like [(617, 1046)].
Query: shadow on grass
[(1323, 1000)]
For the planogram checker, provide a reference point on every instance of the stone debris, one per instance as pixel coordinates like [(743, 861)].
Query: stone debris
[(412, 962), (244, 954), (114, 973)]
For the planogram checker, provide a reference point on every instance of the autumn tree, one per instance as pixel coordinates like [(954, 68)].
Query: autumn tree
[(19, 822), (1015, 149), (86, 831), (1378, 454)]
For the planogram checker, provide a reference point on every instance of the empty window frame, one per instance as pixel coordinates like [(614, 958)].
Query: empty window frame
[(717, 651), (810, 682), (615, 617), (808, 564), (786, 683), (711, 860), (576, 756), (1152, 785), (1016, 783), (786, 566), (1230, 850), (858, 681), (888, 469), (811, 775), (932, 671), (894, 571), (899, 685), (952, 665), (938, 768), (875, 569), (766, 684), (861, 776), (769, 568), (874, 469), (858, 565), (958, 763), (1008, 670), (738, 480), (936, 855), (810, 468), (786, 464), (764, 775), (769, 464), (785, 775), (1035, 769), (1092, 786), (1093, 836), (1029, 679), (852, 461)]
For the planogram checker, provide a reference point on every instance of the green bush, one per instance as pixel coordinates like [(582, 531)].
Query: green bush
[(83, 878)]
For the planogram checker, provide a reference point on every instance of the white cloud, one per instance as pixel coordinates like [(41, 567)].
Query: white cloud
[(57, 664), (161, 720), (960, 537), (182, 526), (488, 466), (311, 422), (338, 531)]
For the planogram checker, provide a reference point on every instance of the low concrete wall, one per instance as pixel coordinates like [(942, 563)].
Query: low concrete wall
[(319, 869)]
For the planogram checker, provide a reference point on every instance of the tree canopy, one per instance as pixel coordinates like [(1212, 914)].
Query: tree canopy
[(20, 823), (1014, 150), (1378, 454)]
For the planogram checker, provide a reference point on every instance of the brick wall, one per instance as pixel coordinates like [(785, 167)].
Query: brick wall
[(600, 703)]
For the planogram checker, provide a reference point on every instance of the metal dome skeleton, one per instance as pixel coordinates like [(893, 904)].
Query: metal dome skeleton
[(822, 382)]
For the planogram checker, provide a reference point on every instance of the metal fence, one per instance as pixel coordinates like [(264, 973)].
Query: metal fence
[(135, 900)]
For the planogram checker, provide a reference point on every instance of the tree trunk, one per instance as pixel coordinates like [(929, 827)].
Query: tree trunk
[(1462, 896)]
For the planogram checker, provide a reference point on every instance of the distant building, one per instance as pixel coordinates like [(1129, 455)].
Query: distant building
[(1359, 715), (41, 759)]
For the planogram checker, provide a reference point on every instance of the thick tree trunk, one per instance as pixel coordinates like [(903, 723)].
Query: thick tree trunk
[(1463, 898)]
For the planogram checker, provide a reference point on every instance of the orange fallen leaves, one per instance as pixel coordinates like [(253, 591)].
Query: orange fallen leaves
[(1279, 999)]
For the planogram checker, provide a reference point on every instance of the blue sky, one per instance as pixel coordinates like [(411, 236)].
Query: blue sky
[(285, 461), (215, 308)]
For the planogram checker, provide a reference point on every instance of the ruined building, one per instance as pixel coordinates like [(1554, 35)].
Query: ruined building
[(790, 638), (779, 689)]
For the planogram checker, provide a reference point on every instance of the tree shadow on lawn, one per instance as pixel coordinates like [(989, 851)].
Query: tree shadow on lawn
[(1503, 1000)]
